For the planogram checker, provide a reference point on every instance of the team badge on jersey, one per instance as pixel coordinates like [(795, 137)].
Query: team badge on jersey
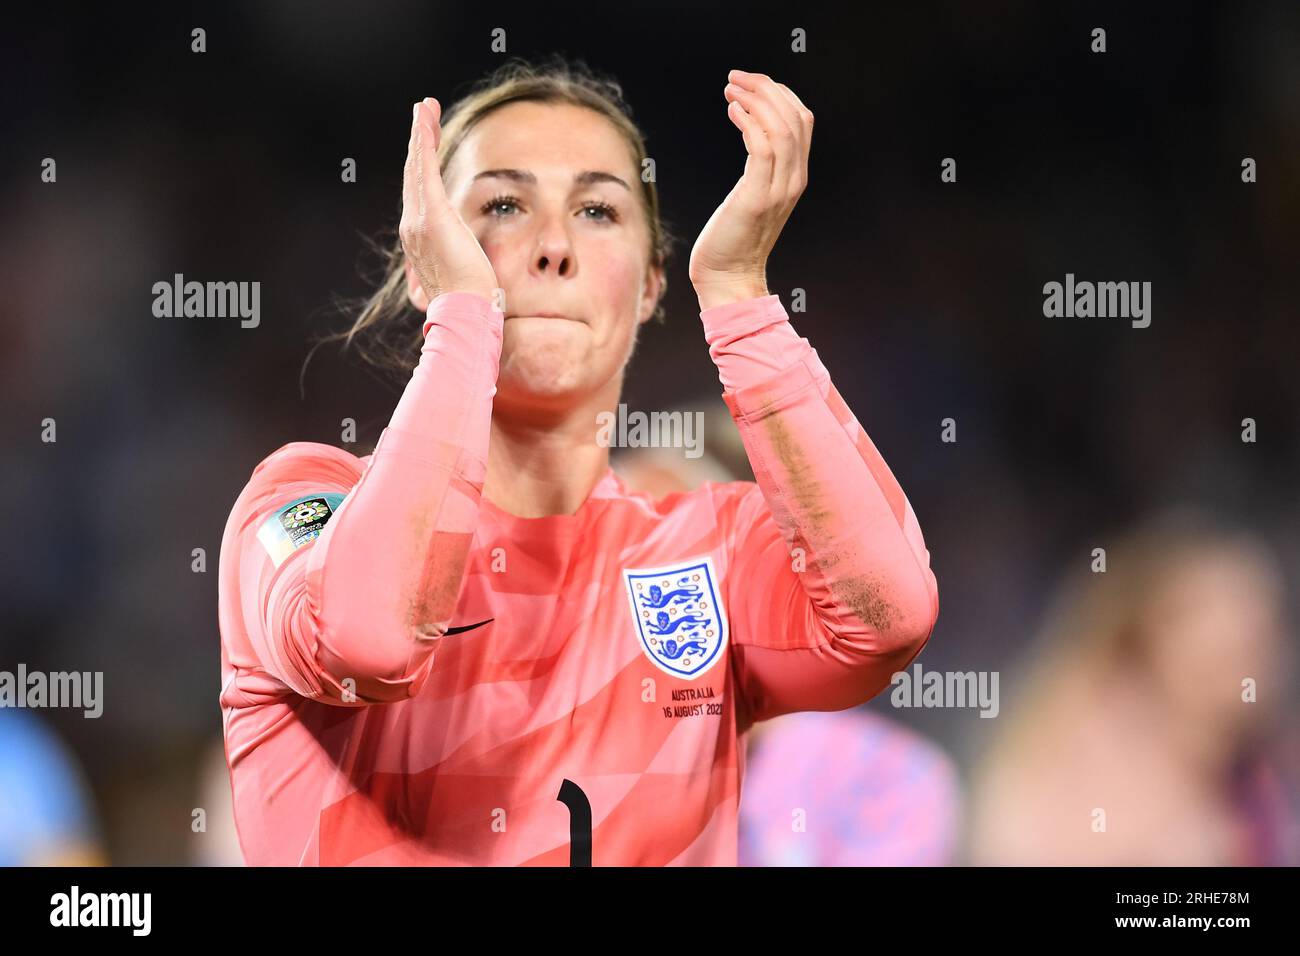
[(680, 620), (297, 523)]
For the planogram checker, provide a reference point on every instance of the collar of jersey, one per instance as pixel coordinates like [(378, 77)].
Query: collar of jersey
[(610, 485)]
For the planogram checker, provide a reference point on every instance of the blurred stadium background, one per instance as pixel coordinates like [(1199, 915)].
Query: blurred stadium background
[(925, 302)]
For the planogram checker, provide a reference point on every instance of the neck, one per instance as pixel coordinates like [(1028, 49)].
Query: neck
[(543, 460)]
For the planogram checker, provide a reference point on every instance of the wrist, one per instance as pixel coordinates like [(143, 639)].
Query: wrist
[(489, 295), (714, 293), (455, 304)]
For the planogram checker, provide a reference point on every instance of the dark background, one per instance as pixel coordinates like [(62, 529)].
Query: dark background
[(925, 298)]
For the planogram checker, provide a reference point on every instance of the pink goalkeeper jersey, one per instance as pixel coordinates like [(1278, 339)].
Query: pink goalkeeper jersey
[(411, 675)]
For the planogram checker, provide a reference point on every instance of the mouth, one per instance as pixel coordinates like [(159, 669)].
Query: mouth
[(540, 315)]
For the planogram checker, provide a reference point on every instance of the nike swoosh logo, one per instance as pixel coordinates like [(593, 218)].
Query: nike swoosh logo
[(469, 627)]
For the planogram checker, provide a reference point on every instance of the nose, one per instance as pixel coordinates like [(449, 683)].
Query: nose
[(554, 252)]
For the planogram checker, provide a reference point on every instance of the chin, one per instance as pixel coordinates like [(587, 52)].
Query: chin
[(547, 355)]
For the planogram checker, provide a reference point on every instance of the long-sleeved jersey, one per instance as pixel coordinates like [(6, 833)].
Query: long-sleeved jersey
[(412, 675)]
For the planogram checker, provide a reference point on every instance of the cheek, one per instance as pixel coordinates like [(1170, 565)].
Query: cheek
[(501, 252), (619, 279), (617, 285)]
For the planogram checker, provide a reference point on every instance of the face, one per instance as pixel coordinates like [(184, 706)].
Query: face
[(551, 192), (1219, 619)]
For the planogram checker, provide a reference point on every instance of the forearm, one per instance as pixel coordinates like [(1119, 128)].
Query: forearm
[(384, 577), (864, 562)]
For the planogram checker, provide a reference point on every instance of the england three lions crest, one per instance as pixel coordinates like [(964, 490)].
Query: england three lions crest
[(679, 616)]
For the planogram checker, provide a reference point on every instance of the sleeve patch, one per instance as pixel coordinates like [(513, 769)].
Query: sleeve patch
[(297, 523)]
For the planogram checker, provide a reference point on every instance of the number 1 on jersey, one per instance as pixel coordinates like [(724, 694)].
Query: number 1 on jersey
[(571, 796)]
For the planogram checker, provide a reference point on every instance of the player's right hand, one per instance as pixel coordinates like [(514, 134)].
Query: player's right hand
[(440, 248)]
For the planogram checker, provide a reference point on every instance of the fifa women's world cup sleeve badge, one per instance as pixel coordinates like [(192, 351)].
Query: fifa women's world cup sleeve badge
[(678, 614), (297, 523)]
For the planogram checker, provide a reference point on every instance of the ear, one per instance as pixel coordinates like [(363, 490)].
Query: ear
[(650, 295), (414, 291)]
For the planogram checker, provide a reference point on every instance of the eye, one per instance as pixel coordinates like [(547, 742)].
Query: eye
[(504, 207), (495, 202), (608, 212)]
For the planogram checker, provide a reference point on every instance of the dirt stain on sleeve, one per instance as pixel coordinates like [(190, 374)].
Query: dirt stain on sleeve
[(442, 556), (863, 597)]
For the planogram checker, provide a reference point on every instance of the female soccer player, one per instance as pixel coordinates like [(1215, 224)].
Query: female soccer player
[(475, 645)]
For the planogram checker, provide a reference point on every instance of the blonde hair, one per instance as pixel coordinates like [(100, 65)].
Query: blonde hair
[(1095, 623), (1097, 619), (387, 330)]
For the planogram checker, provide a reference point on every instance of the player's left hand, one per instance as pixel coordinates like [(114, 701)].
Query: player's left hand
[(729, 261)]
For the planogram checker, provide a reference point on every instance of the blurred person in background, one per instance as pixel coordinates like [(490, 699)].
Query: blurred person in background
[(47, 815), (838, 788), (1134, 740), (847, 788)]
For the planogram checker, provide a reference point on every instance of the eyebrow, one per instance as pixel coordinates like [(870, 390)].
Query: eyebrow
[(585, 178)]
